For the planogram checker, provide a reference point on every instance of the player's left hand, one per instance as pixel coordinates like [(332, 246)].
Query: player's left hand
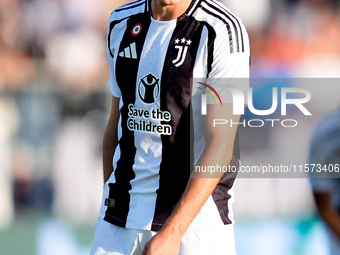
[(162, 244)]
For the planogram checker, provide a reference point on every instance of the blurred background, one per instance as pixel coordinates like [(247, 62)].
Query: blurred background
[(54, 106)]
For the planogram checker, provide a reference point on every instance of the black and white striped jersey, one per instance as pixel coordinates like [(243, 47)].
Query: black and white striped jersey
[(152, 64)]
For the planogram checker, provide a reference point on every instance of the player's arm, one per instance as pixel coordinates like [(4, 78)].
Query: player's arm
[(110, 138), (218, 150), (327, 212)]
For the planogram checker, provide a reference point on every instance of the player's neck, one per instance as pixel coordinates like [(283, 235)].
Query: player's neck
[(163, 10)]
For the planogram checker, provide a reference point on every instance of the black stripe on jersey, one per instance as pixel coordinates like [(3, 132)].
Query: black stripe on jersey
[(126, 75), (147, 5), (222, 8), (211, 40), (193, 7), (220, 194), (231, 44), (130, 5), (227, 17), (175, 96), (112, 25)]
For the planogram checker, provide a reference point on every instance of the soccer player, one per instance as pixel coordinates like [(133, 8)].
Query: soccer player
[(152, 203), (325, 179)]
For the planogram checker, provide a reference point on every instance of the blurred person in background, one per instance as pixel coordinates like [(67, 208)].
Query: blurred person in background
[(16, 72), (52, 83), (75, 57), (325, 150), (8, 127), (16, 63)]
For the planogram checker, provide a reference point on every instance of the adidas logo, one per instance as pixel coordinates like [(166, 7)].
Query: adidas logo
[(129, 52)]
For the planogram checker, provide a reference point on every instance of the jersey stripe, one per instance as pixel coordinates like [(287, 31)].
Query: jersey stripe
[(231, 41), (113, 23), (149, 145), (147, 5), (126, 75), (211, 40), (176, 157), (130, 5), (111, 26), (193, 7), (218, 13), (230, 15)]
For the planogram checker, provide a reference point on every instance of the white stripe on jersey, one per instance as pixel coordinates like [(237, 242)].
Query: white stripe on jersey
[(149, 154), (193, 8), (129, 5), (201, 63), (200, 72), (232, 21), (230, 28), (131, 10), (115, 39)]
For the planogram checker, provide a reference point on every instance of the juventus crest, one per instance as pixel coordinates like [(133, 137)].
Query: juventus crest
[(182, 46)]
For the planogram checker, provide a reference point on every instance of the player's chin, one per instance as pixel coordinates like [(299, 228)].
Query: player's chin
[(170, 2)]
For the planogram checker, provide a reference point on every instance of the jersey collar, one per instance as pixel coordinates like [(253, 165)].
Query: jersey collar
[(193, 7)]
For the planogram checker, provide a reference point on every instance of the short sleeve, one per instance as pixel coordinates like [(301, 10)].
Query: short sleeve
[(231, 63), (113, 86), (322, 184)]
